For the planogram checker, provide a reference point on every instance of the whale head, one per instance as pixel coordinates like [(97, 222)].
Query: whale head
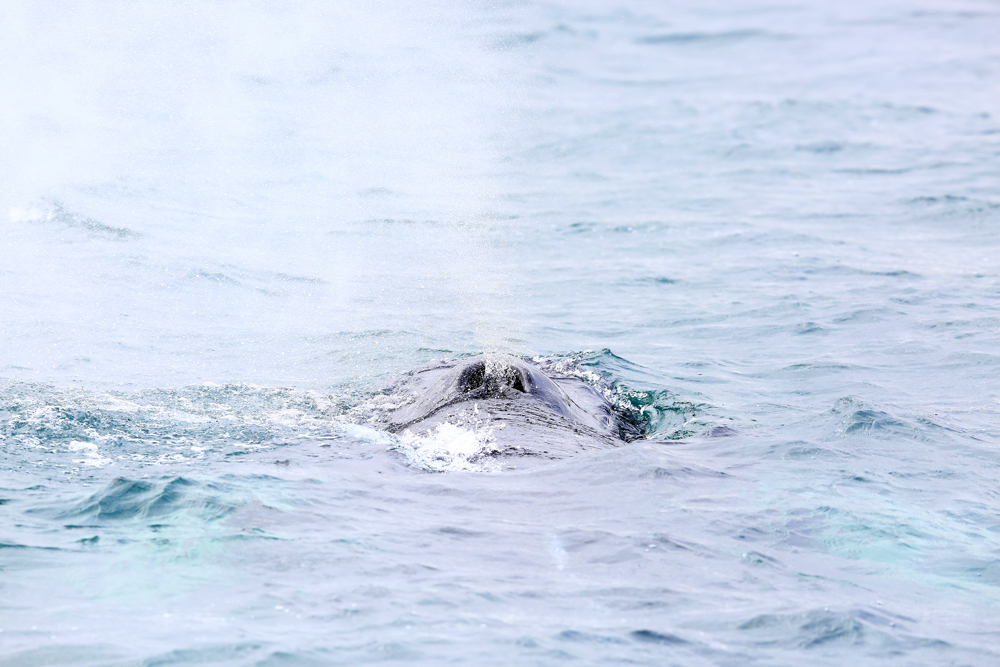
[(533, 413)]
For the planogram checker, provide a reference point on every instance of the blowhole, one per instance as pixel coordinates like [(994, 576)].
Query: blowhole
[(500, 378)]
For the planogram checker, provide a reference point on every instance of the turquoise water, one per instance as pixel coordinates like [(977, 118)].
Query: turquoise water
[(769, 228)]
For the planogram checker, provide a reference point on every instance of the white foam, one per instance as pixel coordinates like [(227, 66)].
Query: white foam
[(92, 457), (448, 447)]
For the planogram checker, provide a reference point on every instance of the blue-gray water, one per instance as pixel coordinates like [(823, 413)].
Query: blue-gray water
[(771, 226)]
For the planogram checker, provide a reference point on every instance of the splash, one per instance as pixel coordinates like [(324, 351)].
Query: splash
[(465, 446)]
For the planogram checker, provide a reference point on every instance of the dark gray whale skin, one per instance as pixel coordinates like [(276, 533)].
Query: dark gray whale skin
[(528, 412)]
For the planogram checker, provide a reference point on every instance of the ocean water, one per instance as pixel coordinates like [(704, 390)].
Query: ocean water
[(770, 228)]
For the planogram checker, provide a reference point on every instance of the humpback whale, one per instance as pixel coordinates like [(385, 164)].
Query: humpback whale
[(526, 411)]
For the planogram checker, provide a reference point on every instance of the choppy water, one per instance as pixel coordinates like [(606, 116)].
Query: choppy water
[(771, 228)]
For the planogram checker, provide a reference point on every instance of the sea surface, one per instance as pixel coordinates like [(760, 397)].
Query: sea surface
[(772, 228)]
